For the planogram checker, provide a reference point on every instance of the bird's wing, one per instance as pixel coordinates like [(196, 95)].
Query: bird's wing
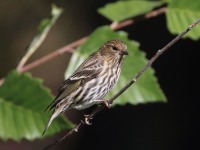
[(85, 72)]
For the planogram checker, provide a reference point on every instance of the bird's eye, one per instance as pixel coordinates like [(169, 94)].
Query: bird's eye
[(114, 48)]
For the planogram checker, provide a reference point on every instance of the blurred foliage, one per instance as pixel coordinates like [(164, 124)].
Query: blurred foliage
[(180, 14), (22, 103), (121, 10)]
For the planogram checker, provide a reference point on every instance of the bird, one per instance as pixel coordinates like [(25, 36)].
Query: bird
[(91, 81)]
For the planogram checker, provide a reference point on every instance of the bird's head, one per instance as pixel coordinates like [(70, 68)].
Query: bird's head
[(114, 48)]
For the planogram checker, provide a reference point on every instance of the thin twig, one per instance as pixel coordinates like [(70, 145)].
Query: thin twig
[(154, 13), (101, 107), (70, 47)]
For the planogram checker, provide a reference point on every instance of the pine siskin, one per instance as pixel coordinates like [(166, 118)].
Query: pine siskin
[(91, 81)]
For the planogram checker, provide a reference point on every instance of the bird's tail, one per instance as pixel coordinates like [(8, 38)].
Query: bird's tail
[(53, 116)]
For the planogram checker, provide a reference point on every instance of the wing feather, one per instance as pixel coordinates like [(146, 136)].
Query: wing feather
[(85, 72)]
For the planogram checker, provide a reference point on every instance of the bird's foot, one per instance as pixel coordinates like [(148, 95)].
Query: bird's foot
[(86, 120), (107, 103)]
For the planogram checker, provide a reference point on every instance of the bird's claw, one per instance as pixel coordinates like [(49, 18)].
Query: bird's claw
[(87, 120), (107, 103)]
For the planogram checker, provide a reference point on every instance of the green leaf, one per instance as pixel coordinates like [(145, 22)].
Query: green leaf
[(122, 10), (182, 13), (43, 24), (49, 22), (22, 103), (146, 89)]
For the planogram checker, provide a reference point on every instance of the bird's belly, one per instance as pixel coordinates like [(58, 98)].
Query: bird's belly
[(95, 89)]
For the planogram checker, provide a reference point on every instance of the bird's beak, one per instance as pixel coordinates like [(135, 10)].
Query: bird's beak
[(124, 53)]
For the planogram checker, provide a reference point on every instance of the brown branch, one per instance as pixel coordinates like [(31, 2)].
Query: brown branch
[(70, 47), (128, 22), (67, 48), (101, 107)]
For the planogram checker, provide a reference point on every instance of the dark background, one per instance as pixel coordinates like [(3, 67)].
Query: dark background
[(167, 126)]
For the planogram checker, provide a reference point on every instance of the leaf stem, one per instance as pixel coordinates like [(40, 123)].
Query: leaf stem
[(39, 39), (101, 107)]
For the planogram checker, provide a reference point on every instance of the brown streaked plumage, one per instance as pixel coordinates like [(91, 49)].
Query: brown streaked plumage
[(91, 81)]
